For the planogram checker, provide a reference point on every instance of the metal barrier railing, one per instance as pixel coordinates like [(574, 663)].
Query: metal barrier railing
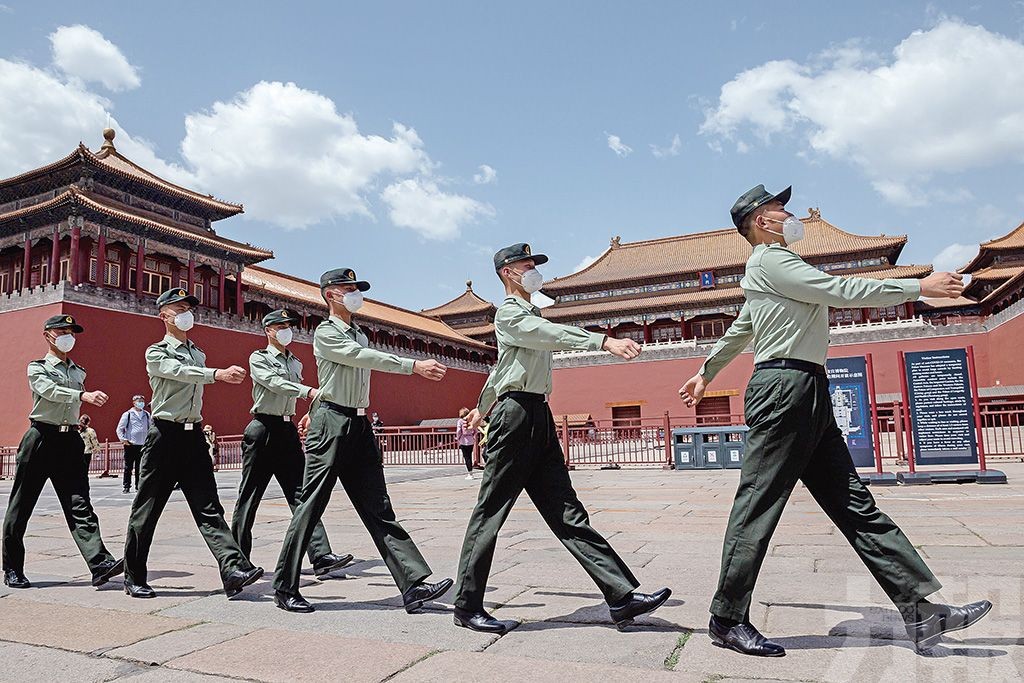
[(629, 442)]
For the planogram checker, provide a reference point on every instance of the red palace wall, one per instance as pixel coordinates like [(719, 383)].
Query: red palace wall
[(655, 384), (112, 350)]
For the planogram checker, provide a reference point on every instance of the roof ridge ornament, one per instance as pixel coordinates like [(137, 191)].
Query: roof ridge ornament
[(108, 141), (469, 285), (616, 242), (815, 213)]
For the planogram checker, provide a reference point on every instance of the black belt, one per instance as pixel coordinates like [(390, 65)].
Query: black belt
[(56, 429), (183, 426), (523, 396), (272, 419), (791, 364), (344, 410)]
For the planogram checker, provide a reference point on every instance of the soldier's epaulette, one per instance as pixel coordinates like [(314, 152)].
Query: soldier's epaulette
[(40, 360)]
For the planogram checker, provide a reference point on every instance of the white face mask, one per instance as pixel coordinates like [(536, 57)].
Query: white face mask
[(353, 301), (284, 336), (531, 280), (792, 229), (64, 342), (184, 321)]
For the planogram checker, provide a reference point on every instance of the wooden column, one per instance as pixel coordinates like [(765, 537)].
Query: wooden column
[(140, 261), (75, 255), (55, 258), (239, 302), (221, 294), (101, 261), (191, 275), (647, 333), (26, 267)]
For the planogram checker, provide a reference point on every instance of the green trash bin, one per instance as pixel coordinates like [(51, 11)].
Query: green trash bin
[(712, 449), (684, 448), (735, 446)]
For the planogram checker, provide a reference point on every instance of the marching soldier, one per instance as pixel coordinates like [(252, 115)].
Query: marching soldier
[(271, 445), (524, 452), (53, 449), (176, 452), (340, 444), (793, 435)]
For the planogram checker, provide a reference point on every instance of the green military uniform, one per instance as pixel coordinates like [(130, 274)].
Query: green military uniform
[(271, 445), (53, 449), (340, 445), (524, 452), (176, 452), (792, 431)]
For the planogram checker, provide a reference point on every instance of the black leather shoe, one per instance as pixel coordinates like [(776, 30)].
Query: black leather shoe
[(292, 603), (125, 490), (927, 631), (237, 580), (330, 563), (625, 612), (425, 592), (15, 579), (743, 638), (107, 570), (483, 622), (138, 590)]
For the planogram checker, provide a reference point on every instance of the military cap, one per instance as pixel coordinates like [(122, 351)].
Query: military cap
[(342, 276), (62, 322), (753, 198), (173, 296), (517, 252), (281, 315)]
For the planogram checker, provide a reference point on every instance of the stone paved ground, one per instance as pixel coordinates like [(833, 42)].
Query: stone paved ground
[(814, 597)]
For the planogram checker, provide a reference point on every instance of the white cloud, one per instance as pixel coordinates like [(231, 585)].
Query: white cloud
[(419, 203), (541, 300), (292, 158), (954, 256), (947, 100), (485, 175), (43, 117), (616, 145), (586, 261), (671, 151), (282, 150), (82, 52)]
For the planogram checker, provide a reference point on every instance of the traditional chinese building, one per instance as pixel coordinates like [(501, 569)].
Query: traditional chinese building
[(997, 272), (98, 237), (469, 314), (687, 287)]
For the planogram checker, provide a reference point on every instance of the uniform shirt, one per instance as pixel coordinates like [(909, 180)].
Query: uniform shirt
[(276, 381), (786, 308), (57, 388), (525, 343), (177, 372), (133, 426), (343, 363)]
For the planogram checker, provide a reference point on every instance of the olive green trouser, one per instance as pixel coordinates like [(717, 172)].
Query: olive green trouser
[(343, 447), (47, 453), (271, 448), (524, 453), (793, 437), (173, 455)]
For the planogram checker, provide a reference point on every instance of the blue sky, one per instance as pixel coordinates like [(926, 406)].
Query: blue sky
[(356, 133)]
